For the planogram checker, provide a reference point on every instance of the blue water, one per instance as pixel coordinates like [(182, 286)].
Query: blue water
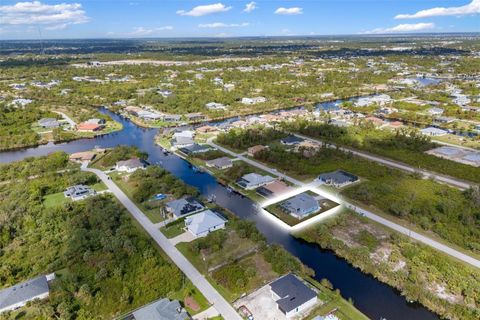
[(372, 297)]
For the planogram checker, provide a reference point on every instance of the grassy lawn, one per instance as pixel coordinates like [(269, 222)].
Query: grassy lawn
[(191, 292), (174, 228), (278, 212), (233, 247), (163, 141), (99, 186), (460, 141), (54, 200), (153, 214)]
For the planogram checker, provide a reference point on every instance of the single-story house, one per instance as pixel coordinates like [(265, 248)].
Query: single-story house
[(96, 121), (291, 140), (375, 121), (89, 127), (300, 205), (253, 180), (254, 100), (17, 296), (79, 192), (220, 163), (130, 165), (215, 106), (338, 178), (195, 116), (184, 206), (252, 151), (195, 148), (82, 156), (162, 309), (172, 117), (273, 189), (292, 295), (433, 132), (49, 123), (183, 138), (202, 223), (435, 111), (206, 129)]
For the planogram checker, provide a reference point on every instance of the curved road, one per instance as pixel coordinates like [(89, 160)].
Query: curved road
[(392, 225), (212, 295)]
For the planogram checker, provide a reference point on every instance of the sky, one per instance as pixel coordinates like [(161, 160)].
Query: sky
[(60, 19)]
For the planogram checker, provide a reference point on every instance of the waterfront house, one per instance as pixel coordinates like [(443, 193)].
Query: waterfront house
[(195, 116), (89, 127), (207, 129), (300, 205), (130, 165), (254, 100), (205, 222), (253, 180), (220, 163), (273, 189), (184, 206), (292, 295), (215, 106), (195, 148)]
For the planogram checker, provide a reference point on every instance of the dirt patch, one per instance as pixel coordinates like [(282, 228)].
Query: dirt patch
[(191, 303), (440, 291)]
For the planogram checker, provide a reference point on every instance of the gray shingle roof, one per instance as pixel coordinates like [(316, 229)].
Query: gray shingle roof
[(292, 292), (23, 292), (337, 177), (301, 204), (162, 309), (182, 207)]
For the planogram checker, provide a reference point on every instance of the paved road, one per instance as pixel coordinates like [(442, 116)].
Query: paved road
[(392, 225), (212, 295), (67, 118), (457, 183)]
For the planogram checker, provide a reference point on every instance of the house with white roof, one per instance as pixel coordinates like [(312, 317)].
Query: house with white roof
[(202, 223), (433, 132), (253, 180)]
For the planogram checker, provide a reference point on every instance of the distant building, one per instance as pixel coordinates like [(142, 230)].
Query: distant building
[(435, 111), (433, 132), (252, 151), (182, 139), (79, 192), (82, 156), (254, 100), (207, 129), (184, 206), (18, 295), (201, 224), (195, 149), (89, 127), (130, 165), (96, 121), (220, 163), (162, 309), (48, 123), (228, 87), (300, 205), (216, 106), (195, 116), (292, 295), (337, 178), (253, 180), (291, 140)]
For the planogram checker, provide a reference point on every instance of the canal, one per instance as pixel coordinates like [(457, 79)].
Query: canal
[(375, 299)]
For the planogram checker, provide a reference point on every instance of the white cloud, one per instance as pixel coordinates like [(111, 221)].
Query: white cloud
[(142, 31), (53, 17), (469, 9), (249, 7), (289, 11), (401, 28), (223, 25), (204, 10)]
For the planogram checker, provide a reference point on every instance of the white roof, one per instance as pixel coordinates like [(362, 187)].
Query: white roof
[(203, 221)]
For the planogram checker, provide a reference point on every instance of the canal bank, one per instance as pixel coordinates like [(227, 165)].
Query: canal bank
[(370, 296)]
